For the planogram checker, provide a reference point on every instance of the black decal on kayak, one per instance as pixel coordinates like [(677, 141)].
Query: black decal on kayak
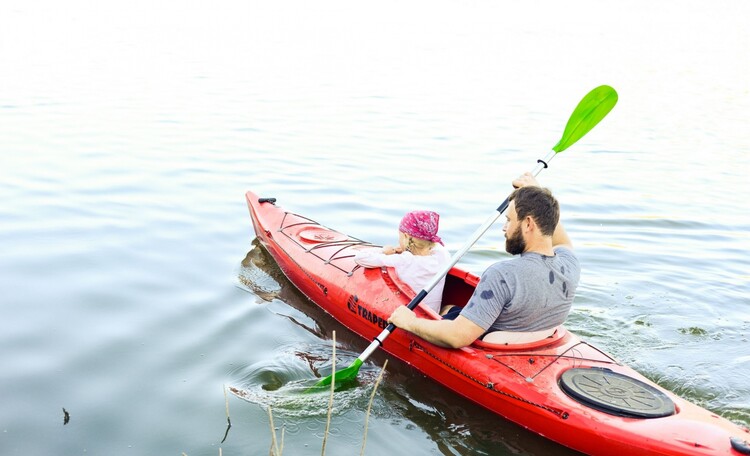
[(351, 303), (371, 317)]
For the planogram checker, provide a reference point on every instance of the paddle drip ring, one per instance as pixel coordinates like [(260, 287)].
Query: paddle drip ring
[(616, 394), (740, 445), (542, 162)]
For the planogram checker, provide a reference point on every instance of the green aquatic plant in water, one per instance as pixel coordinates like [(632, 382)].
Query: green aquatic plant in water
[(694, 331)]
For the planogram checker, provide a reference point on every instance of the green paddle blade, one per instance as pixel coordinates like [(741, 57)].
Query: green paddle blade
[(342, 376), (592, 109)]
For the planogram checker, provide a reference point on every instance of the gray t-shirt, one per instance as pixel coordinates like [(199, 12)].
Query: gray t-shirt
[(531, 292)]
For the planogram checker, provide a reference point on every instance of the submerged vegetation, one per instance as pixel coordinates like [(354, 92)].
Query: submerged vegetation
[(277, 439), (694, 331)]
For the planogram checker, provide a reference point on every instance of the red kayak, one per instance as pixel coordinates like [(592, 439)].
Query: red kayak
[(561, 387)]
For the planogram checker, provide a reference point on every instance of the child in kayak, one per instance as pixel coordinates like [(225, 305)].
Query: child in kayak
[(419, 256), (520, 300)]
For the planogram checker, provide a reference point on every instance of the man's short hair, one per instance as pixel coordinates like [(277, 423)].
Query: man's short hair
[(539, 203)]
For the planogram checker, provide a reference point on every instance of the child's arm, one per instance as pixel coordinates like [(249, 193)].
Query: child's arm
[(375, 257)]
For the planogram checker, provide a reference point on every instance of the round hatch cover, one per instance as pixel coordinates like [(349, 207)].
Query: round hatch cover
[(320, 234), (616, 394)]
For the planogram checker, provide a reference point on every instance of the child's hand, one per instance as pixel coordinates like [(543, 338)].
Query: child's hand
[(390, 250)]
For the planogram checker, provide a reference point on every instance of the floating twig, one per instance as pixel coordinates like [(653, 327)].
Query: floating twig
[(369, 406), (229, 422), (274, 445), (330, 399)]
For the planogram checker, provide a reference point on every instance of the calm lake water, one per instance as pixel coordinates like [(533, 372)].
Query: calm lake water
[(129, 132)]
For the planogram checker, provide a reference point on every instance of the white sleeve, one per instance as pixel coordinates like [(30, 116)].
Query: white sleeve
[(375, 258)]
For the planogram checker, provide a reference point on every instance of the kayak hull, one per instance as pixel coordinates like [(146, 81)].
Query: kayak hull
[(543, 386)]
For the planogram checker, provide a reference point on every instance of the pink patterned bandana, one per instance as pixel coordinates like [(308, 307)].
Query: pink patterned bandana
[(422, 225)]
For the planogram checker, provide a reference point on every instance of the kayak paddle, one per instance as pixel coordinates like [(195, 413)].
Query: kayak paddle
[(589, 112)]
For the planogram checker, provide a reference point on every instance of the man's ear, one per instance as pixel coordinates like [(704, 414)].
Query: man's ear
[(528, 224)]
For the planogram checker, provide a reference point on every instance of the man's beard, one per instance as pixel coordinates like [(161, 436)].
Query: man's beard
[(515, 244)]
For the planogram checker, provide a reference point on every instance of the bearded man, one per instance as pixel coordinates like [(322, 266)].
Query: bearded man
[(519, 300)]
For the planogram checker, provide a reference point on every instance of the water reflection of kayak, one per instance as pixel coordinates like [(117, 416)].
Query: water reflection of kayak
[(561, 387)]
